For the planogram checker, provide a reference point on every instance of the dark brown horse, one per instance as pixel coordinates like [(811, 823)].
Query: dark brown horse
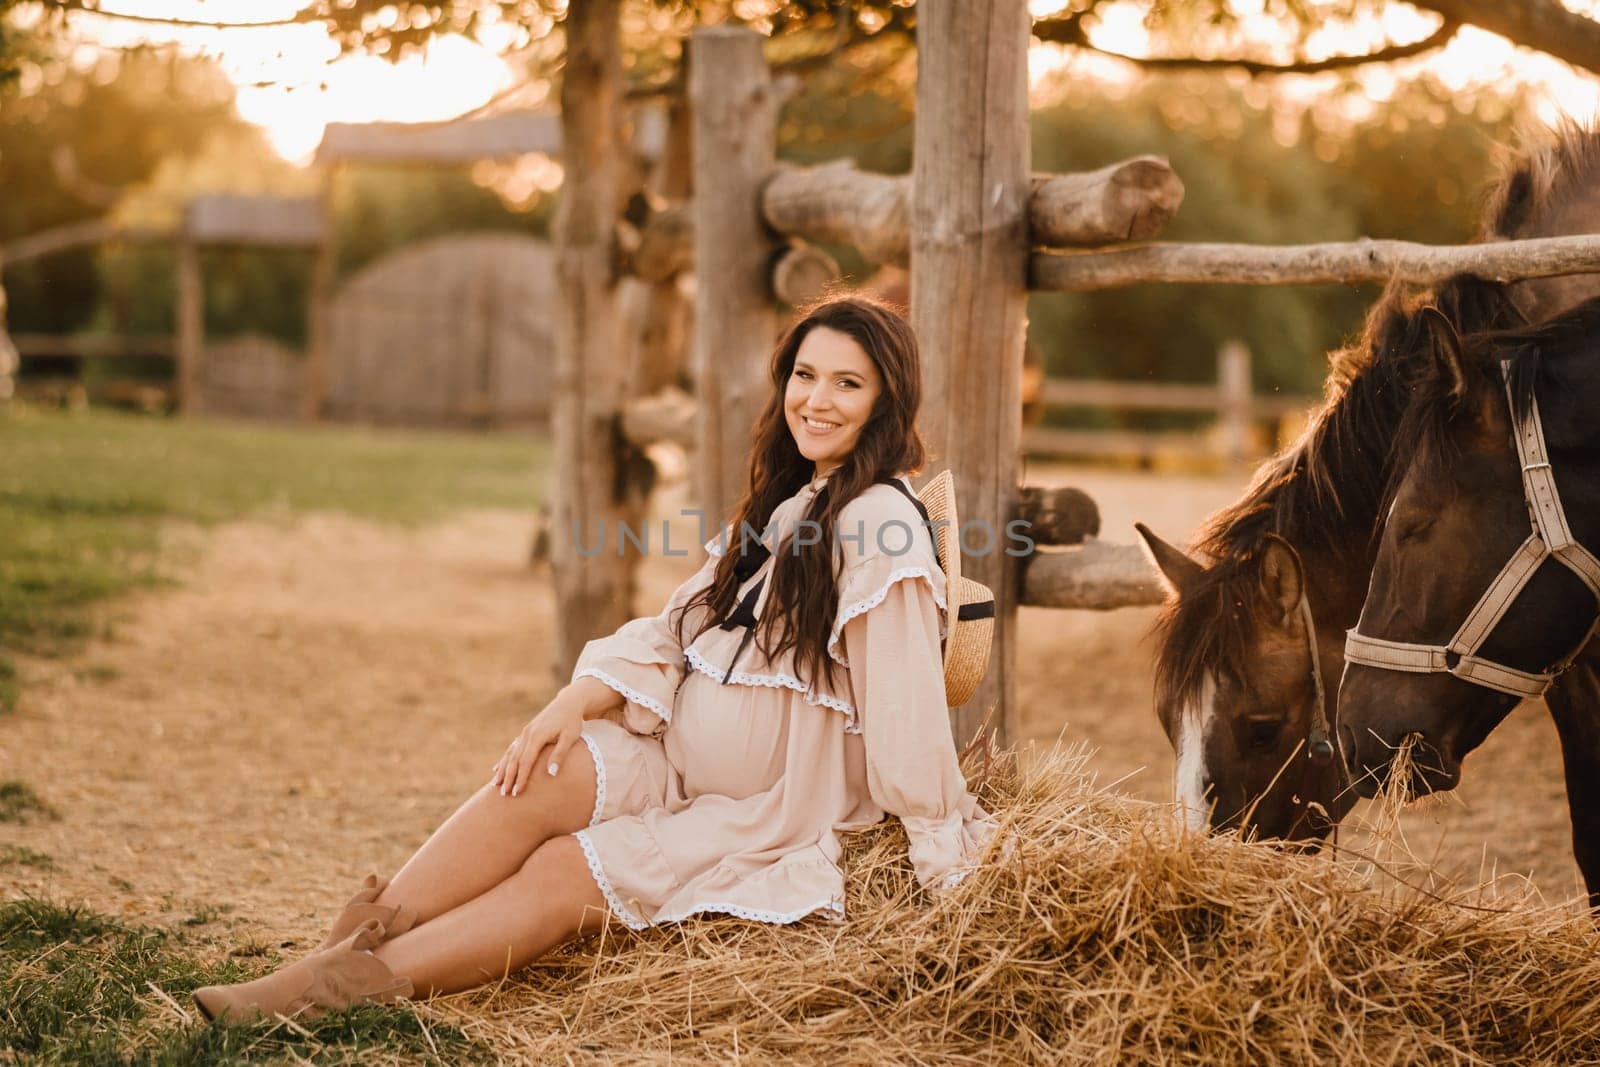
[(1485, 585), (1235, 688), (1288, 564)]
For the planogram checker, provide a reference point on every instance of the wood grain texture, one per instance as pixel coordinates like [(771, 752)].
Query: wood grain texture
[(592, 577), (1058, 516), (1097, 576), (1365, 260), (969, 251), (1127, 201), (836, 203), (735, 323)]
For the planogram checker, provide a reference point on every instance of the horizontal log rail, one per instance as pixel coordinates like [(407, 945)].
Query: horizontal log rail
[(93, 346), (837, 204), (1161, 396), (1097, 576), (79, 235), (1365, 260)]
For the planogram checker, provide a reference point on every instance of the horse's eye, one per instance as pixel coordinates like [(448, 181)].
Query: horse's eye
[(1262, 733), (1414, 530)]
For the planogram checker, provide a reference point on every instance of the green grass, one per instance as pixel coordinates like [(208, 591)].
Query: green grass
[(77, 987), (22, 856), (18, 802), (83, 497)]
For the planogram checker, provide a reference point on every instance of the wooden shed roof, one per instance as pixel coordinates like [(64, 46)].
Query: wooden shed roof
[(510, 133), (285, 221)]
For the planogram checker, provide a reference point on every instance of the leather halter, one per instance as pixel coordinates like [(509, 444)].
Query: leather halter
[(1551, 537)]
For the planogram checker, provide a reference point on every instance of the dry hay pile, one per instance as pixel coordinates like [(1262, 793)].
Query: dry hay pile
[(1106, 934)]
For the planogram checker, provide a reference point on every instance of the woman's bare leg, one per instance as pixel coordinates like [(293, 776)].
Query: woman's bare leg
[(490, 836), (550, 898)]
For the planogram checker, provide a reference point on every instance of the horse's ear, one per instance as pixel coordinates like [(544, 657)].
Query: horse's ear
[(1447, 343), (1178, 571), (1283, 580)]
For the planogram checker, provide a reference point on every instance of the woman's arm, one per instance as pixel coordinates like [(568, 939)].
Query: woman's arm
[(897, 678)]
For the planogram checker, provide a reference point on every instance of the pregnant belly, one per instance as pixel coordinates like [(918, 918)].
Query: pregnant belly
[(730, 740)]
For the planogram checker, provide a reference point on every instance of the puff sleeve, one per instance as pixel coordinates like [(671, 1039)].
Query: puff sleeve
[(643, 661), (897, 678)]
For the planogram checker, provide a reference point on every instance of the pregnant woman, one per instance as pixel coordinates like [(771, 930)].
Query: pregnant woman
[(704, 760)]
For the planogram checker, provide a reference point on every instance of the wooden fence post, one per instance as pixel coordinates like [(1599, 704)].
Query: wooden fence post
[(191, 326), (592, 576), (969, 276), (735, 129), (10, 360), (1233, 415), (319, 310)]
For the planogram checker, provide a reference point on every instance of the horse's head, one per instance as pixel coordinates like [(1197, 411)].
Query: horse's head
[(1467, 609), (1237, 694)]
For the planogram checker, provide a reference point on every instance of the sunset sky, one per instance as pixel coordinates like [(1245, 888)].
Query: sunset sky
[(292, 80)]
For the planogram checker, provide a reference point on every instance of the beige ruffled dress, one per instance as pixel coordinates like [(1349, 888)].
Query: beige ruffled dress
[(728, 797)]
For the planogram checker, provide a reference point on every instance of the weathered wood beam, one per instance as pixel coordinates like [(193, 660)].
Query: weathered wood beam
[(1128, 201), (191, 333), (837, 204), (1098, 577), (666, 245), (1058, 516), (668, 415), (592, 576), (969, 251), (1365, 260), (803, 273), (735, 324)]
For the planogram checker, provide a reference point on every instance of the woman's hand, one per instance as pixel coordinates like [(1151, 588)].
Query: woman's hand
[(558, 726)]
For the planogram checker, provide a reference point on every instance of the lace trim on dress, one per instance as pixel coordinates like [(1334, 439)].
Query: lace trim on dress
[(780, 918), (620, 910), (649, 703), (777, 681), (861, 607), (599, 778)]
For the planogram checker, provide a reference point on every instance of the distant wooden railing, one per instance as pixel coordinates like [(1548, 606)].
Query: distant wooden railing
[(93, 345), (1230, 398)]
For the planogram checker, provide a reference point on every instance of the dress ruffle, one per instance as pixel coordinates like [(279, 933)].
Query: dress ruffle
[(717, 798)]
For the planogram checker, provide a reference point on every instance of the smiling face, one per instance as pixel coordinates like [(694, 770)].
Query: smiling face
[(829, 397)]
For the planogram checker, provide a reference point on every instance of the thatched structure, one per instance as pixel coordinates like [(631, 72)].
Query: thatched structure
[(453, 331)]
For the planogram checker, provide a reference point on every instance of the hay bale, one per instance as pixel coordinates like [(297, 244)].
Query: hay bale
[(1104, 934)]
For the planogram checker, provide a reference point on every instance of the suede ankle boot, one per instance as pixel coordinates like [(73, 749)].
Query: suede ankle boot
[(330, 979), (360, 909)]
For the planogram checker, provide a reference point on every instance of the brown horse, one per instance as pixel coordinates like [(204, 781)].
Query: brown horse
[(1502, 447), (1238, 679), (1236, 685)]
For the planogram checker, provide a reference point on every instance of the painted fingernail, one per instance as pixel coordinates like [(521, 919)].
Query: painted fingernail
[(553, 770)]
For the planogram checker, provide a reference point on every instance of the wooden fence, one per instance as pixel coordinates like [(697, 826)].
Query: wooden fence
[(1237, 409)]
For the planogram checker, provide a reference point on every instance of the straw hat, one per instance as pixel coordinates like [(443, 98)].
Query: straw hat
[(969, 628)]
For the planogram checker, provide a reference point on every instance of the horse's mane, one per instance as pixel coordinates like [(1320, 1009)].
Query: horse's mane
[(1427, 433), (1324, 492), (1540, 187)]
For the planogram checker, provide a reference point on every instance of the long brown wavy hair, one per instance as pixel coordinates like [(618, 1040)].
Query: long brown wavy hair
[(803, 600)]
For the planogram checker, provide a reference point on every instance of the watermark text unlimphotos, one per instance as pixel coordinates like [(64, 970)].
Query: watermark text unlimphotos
[(895, 537)]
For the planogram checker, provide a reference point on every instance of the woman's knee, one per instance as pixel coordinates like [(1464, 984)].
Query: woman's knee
[(558, 872)]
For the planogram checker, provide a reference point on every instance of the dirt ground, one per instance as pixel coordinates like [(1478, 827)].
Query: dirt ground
[(316, 697)]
